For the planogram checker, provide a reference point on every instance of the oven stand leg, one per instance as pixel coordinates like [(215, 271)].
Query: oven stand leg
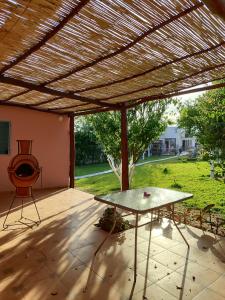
[(5, 226), (178, 227), (98, 249), (39, 219), (21, 216)]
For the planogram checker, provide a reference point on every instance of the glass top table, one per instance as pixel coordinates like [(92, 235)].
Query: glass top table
[(140, 201), (135, 200)]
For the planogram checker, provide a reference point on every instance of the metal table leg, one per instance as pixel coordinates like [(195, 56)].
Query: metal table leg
[(135, 256), (98, 249), (178, 227)]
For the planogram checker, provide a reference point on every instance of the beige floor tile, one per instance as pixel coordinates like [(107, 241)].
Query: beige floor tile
[(218, 286), (122, 257), (130, 240), (154, 292), (75, 280), (84, 253), (51, 261), (182, 250), (198, 273), (208, 294), (155, 270), (38, 286), (60, 263), (180, 286), (124, 281), (212, 263), (170, 259), (26, 261), (154, 248), (165, 242)]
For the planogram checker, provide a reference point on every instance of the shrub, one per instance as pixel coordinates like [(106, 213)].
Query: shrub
[(107, 220), (165, 171)]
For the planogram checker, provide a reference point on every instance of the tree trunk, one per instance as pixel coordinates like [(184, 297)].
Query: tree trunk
[(116, 169), (212, 169)]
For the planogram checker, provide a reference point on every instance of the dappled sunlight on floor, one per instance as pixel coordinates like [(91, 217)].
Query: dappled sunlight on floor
[(52, 261)]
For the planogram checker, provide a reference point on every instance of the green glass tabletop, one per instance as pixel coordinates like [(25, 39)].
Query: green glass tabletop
[(144, 199)]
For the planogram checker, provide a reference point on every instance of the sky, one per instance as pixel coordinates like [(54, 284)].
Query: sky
[(172, 111)]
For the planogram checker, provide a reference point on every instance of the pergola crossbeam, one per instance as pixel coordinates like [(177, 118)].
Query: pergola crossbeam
[(68, 107), (47, 37), (166, 83), (46, 101), (152, 69), (14, 96), (127, 47), (174, 94), (46, 90)]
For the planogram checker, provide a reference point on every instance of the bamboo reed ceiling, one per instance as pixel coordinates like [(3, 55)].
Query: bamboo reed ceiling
[(78, 57)]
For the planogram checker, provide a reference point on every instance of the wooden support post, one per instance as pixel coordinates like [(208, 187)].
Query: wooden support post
[(72, 151), (124, 150)]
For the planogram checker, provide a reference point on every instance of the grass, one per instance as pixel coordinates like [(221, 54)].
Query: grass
[(189, 177), (90, 169)]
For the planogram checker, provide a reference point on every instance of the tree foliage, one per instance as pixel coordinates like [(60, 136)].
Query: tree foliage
[(88, 149), (146, 122), (205, 119)]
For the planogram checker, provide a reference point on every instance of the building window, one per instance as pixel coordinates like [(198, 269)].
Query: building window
[(4, 137)]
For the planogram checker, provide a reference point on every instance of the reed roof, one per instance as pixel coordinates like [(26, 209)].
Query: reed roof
[(81, 56)]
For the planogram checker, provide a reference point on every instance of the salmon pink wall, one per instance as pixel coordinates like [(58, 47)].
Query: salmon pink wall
[(50, 135)]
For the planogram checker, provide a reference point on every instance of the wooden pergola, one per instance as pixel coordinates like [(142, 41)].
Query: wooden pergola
[(79, 57)]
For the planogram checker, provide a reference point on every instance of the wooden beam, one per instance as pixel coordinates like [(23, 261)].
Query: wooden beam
[(164, 84), (27, 106), (45, 102), (176, 93), (46, 90), (124, 151), (152, 69), (67, 107), (94, 111), (47, 37), (65, 21), (125, 48), (72, 151), (14, 96)]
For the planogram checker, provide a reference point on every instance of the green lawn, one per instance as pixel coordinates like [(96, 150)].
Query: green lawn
[(90, 169), (192, 176)]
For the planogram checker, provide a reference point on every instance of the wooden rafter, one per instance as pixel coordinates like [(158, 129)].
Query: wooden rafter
[(152, 69), (46, 101), (50, 91), (27, 106), (61, 24), (47, 37), (166, 83), (93, 111), (155, 97), (14, 96), (176, 93), (68, 107), (194, 50), (125, 48)]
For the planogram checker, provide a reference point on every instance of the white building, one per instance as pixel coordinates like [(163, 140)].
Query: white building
[(174, 140)]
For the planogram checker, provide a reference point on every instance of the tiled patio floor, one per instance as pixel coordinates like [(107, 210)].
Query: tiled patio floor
[(52, 261)]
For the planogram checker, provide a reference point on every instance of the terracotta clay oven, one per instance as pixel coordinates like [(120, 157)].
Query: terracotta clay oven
[(24, 169)]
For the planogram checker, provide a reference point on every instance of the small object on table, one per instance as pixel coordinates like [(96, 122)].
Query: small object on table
[(147, 194)]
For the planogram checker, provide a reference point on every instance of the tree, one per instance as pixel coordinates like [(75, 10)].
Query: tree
[(205, 119), (146, 122), (88, 149)]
